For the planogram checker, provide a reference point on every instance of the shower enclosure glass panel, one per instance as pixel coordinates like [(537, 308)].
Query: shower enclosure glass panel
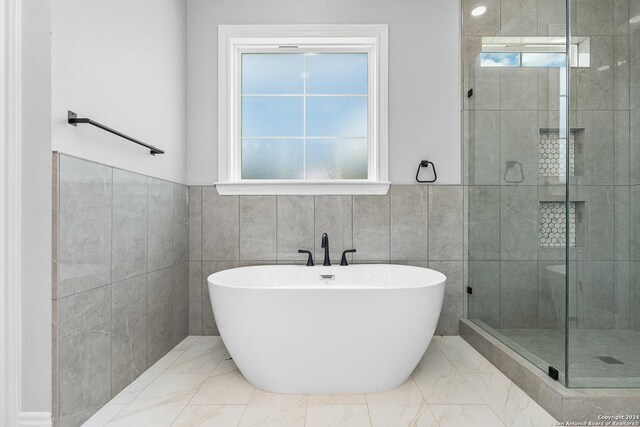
[(603, 330), (517, 172), (553, 183)]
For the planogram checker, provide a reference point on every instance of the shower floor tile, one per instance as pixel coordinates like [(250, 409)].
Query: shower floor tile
[(590, 350), (197, 384)]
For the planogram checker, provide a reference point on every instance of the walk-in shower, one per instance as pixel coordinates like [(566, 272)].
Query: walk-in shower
[(552, 122)]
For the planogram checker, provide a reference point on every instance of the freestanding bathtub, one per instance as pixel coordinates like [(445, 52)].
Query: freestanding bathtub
[(353, 329)]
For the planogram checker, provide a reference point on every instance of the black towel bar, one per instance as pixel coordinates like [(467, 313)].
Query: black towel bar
[(73, 119)]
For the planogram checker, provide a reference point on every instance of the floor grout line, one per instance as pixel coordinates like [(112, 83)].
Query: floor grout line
[(124, 405), (306, 405), (366, 402), (246, 405), (424, 399), (480, 394), (198, 389)]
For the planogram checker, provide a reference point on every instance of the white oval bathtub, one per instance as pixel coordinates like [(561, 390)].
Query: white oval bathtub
[(289, 330)]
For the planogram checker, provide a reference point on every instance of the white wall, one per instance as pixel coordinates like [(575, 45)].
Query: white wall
[(36, 206), (123, 64), (424, 76)]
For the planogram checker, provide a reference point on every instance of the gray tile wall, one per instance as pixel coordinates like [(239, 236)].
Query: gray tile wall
[(634, 194), (121, 288), (501, 124), (419, 225)]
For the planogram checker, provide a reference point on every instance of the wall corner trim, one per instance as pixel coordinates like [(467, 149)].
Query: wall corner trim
[(10, 211), (42, 419)]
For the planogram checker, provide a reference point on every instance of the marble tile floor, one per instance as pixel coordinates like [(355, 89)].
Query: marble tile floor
[(197, 384)]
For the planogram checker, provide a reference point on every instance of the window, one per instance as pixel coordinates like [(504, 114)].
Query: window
[(549, 52), (304, 115), (302, 109), (523, 59)]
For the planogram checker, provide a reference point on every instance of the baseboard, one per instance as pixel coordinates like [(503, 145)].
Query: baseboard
[(40, 419)]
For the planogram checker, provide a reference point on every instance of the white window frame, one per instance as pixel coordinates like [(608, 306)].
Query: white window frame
[(234, 40)]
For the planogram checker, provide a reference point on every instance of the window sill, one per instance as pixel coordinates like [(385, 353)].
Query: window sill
[(276, 187)]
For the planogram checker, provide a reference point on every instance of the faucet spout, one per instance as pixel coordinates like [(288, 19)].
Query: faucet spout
[(325, 246)]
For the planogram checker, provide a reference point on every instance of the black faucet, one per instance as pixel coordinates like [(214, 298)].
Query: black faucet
[(325, 246), (343, 261), (309, 259)]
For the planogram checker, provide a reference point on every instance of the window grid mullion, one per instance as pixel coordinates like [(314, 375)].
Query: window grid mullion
[(304, 116), (305, 138)]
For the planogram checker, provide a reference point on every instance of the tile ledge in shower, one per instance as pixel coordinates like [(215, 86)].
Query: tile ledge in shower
[(564, 404)]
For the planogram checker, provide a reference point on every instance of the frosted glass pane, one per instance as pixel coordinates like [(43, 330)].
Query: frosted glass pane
[(272, 158), (488, 59), (344, 116), (272, 73), (272, 116), (337, 73), (336, 159), (544, 59)]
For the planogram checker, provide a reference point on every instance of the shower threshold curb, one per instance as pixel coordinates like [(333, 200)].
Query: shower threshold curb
[(564, 404)]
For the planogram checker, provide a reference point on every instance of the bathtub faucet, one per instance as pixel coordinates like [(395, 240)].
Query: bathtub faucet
[(325, 246), (343, 261), (309, 258)]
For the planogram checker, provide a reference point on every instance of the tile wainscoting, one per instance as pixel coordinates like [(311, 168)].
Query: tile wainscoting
[(412, 224), (131, 255), (120, 281)]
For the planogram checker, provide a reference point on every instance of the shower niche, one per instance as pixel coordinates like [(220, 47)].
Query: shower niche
[(552, 223), (552, 171), (552, 162)]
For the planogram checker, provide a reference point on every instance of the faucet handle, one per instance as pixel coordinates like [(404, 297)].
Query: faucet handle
[(310, 259), (344, 256)]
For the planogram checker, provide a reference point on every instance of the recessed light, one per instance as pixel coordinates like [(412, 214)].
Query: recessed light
[(480, 10), (633, 20), (603, 68)]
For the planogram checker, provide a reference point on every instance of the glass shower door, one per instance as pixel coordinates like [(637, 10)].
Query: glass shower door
[(604, 293), (519, 158)]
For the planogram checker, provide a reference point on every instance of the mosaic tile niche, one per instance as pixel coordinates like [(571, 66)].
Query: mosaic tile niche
[(552, 154), (552, 220)]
